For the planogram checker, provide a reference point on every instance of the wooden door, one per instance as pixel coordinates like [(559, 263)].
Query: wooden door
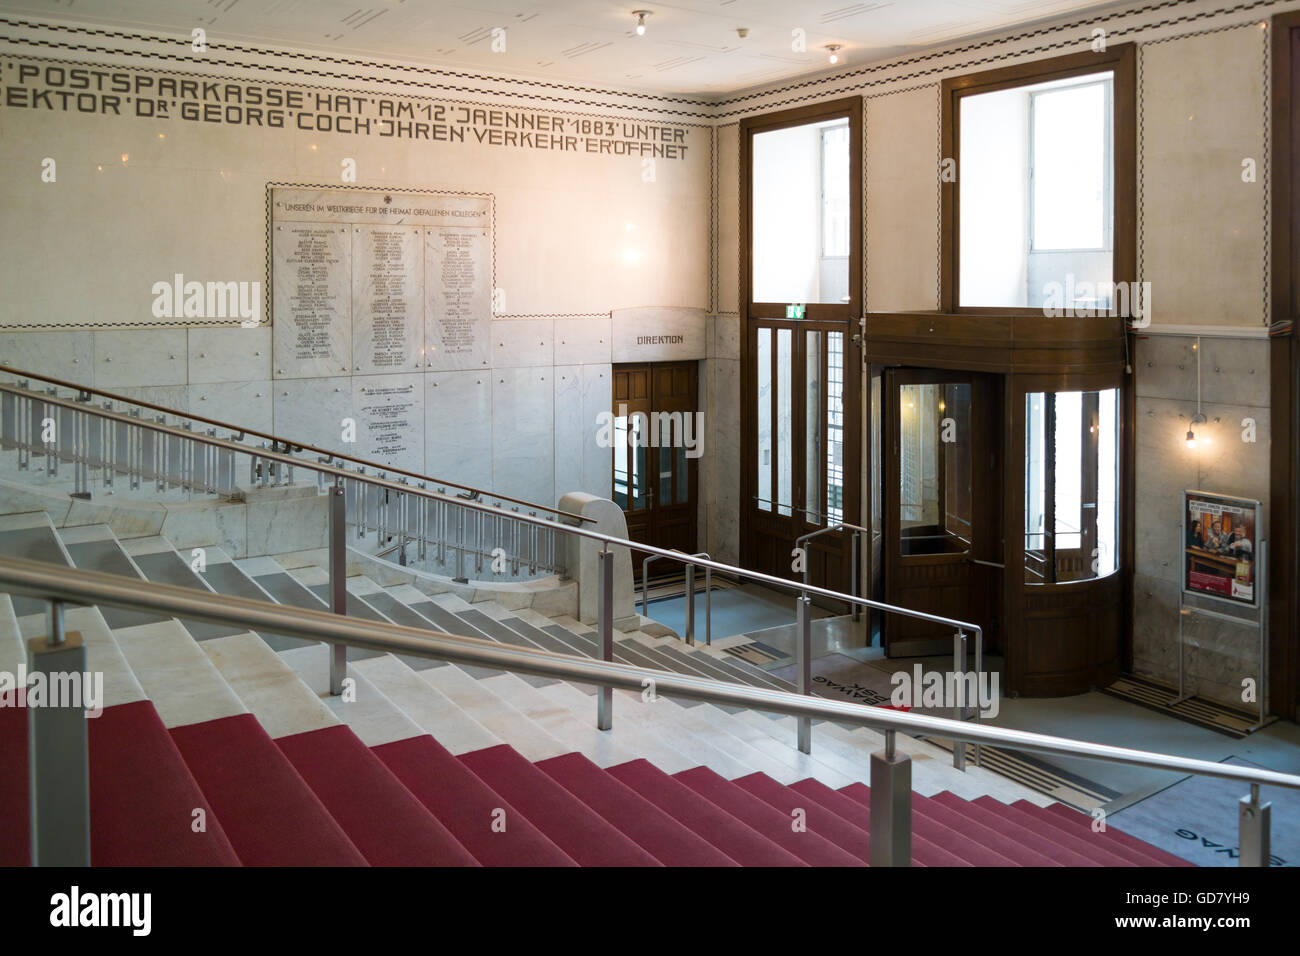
[(941, 503), (656, 456)]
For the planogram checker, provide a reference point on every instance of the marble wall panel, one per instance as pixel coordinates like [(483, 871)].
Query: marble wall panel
[(65, 355), (229, 355), (597, 462), (313, 411), (458, 427), (572, 430), (140, 358), (522, 434), (583, 341), (243, 404), (523, 343)]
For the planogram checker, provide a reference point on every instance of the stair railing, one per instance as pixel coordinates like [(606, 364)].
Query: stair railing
[(172, 455), (59, 743), (84, 393), (689, 636), (161, 447), (98, 443)]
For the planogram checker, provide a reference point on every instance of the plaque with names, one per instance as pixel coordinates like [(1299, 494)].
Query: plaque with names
[(458, 310), (387, 299), (368, 281), (312, 333), (390, 419)]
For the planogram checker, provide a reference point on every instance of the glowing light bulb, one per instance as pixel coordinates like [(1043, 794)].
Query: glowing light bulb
[(640, 21), (1191, 438)]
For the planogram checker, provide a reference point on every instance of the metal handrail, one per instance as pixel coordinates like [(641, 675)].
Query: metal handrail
[(59, 584), (690, 597), (276, 440), (340, 474)]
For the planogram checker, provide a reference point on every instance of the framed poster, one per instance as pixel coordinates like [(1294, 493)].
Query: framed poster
[(1219, 541)]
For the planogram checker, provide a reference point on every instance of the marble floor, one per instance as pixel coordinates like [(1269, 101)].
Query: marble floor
[(1094, 716)]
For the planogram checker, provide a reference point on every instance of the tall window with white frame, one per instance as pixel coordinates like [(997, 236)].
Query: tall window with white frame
[(1037, 196)]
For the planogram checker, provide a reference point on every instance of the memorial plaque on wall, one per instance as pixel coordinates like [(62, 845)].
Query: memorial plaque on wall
[(390, 420), (458, 310), (387, 302), (312, 334), (370, 281)]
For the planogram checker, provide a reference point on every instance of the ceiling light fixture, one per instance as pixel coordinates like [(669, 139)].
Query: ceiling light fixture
[(834, 50), (640, 21)]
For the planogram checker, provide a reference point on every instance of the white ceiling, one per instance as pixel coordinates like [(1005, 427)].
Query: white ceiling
[(690, 46)]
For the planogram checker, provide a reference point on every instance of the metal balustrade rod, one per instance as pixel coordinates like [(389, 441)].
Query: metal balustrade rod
[(137, 403), (959, 694), (890, 772), (605, 630), (803, 666), (690, 604)]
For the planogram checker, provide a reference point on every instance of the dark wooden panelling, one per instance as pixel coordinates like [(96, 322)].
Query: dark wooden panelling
[(1284, 377)]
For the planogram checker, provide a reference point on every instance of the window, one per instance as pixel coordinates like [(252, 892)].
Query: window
[(1043, 174), (934, 468), (800, 184), (1070, 167), (1071, 484)]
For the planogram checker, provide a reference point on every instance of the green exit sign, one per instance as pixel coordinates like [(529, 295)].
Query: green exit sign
[(794, 311)]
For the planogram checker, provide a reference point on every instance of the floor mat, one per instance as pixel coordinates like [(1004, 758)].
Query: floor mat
[(756, 653), (1196, 819), (1202, 713)]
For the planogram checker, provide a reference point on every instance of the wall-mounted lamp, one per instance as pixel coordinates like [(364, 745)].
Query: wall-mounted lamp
[(834, 50), (1198, 418), (640, 21)]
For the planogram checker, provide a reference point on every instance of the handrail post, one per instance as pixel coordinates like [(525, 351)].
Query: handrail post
[(959, 703), (891, 806), (690, 604), (1254, 822), (803, 665), (338, 569), (645, 586), (855, 587), (708, 606), (605, 630), (57, 751)]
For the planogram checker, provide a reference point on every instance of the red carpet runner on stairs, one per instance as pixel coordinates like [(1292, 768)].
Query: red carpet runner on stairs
[(222, 793)]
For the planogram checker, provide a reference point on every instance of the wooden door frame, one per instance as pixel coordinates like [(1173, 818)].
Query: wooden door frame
[(850, 107), (1284, 378), (987, 404), (652, 453), (1121, 59)]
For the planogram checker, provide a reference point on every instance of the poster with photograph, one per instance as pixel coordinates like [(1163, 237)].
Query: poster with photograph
[(1219, 540)]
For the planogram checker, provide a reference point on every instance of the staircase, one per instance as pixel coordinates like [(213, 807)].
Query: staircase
[(218, 746)]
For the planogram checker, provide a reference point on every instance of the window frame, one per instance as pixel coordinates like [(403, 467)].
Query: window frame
[(1120, 60)]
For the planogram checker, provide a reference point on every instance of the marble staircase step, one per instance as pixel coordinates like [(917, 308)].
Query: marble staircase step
[(506, 722), (602, 748), (426, 706)]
